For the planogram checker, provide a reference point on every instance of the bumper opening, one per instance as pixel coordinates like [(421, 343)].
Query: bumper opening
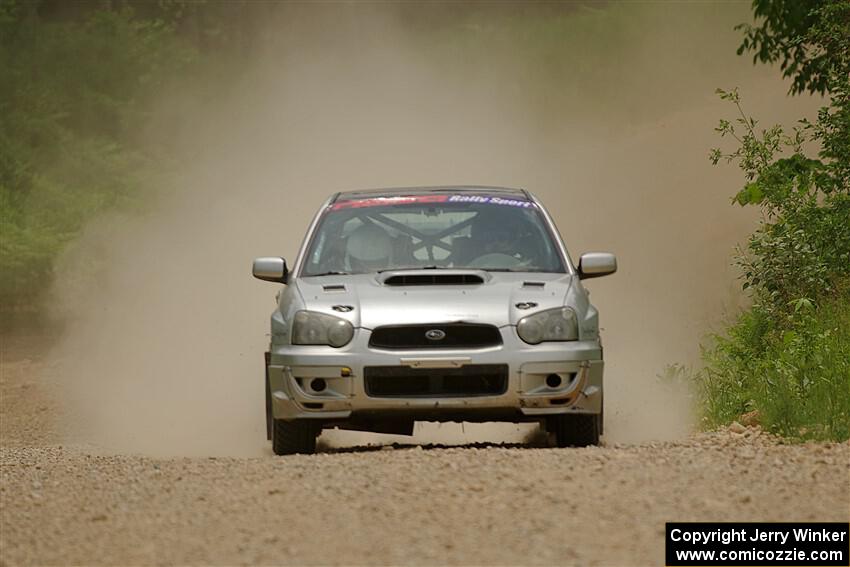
[(402, 381)]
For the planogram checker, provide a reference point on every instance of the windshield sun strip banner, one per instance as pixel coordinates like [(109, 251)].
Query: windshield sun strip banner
[(416, 199)]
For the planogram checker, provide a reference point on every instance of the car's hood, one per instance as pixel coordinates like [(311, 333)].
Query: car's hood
[(376, 303)]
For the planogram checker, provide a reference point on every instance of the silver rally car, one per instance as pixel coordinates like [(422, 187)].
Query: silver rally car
[(432, 304)]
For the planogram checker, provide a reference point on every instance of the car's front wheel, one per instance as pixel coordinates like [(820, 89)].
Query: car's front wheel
[(577, 430), (291, 437)]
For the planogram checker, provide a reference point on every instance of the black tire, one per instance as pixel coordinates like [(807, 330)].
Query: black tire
[(602, 414), (291, 437), (269, 416), (577, 430)]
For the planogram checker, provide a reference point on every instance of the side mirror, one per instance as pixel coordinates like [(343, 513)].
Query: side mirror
[(596, 264), (271, 269)]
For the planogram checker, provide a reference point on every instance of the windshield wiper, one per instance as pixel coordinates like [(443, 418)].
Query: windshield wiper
[(331, 273), (515, 270), (408, 268)]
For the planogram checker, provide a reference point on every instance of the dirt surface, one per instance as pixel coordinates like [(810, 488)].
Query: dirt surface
[(474, 504)]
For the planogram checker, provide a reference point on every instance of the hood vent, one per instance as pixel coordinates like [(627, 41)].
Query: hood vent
[(533, 284), (434, 279), (333, 287)]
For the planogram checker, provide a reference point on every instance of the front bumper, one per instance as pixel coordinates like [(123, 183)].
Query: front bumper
[(292, 370)]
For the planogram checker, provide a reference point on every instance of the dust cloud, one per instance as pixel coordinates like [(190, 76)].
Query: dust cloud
[(606, 113)]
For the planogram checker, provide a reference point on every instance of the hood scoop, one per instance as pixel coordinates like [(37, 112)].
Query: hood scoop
[(333, 287), (431, 277)]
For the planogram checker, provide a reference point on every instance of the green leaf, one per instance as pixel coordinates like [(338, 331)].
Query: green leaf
[(788, 337)]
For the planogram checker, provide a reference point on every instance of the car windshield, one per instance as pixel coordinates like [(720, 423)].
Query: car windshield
[(432, 231)]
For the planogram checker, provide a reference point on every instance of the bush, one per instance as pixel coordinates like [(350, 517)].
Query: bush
[(794, 373), (72, 95)]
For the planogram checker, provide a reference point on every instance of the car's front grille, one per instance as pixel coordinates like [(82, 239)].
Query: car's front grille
[(454, 335), (403, 381)]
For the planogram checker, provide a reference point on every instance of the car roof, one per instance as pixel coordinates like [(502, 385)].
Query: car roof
[(455, 189)]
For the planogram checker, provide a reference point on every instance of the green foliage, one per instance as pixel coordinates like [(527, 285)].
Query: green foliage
[(802, 248), (783, 35), (788, 357), (832, 128), (72, 95), (795, 372)]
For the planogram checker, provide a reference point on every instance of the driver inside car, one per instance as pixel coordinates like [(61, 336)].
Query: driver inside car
[(491, 232), (369, 249)]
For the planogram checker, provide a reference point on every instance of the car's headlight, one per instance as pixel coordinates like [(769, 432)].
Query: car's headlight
[(311, 328), (551, 325)]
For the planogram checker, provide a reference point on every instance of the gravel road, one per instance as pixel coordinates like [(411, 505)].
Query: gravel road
[(476, 504)]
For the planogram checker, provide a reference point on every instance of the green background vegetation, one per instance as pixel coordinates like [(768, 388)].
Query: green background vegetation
[(73, 96), (80, 83)]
